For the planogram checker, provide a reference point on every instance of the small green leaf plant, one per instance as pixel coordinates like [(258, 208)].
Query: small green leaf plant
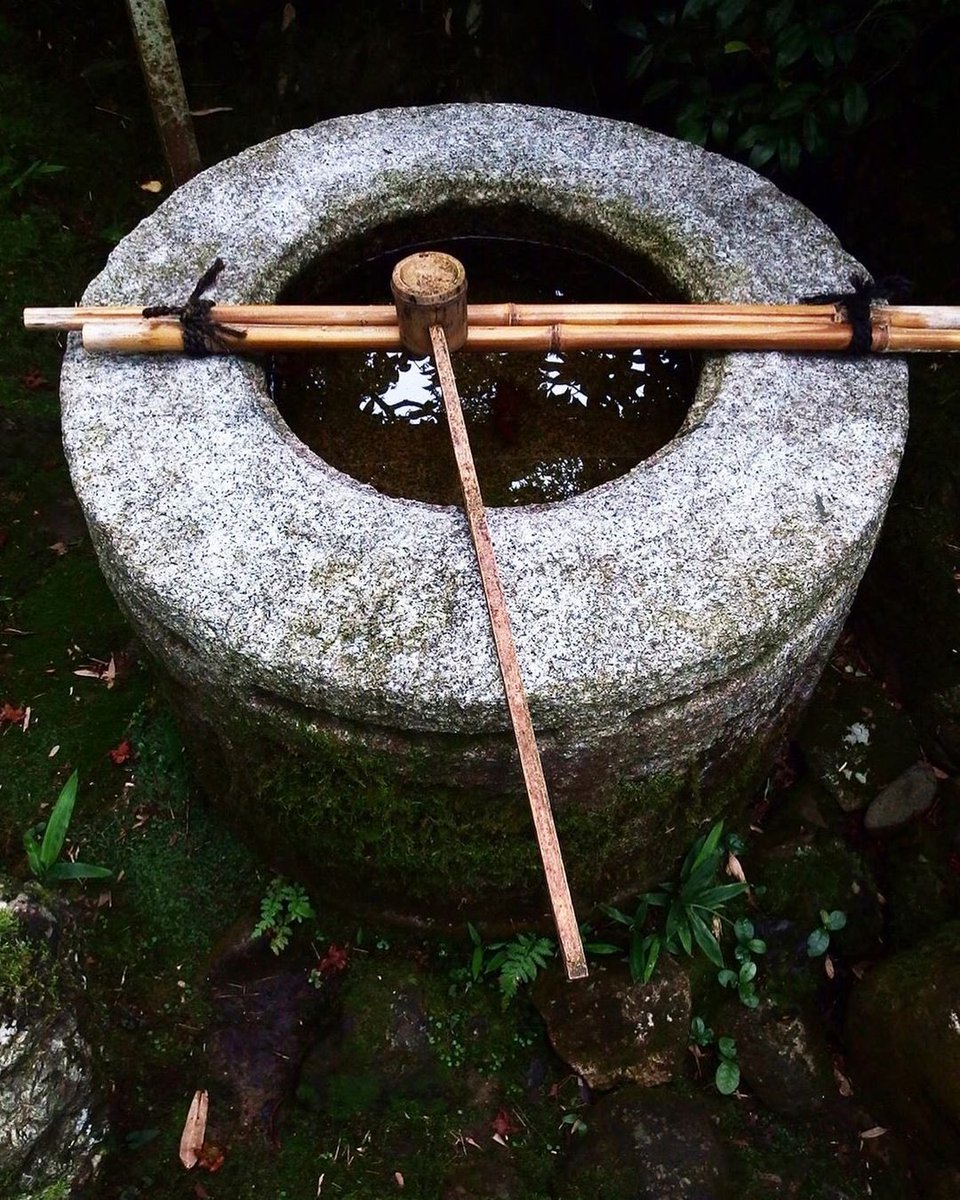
[(727, 1076), (43, 854), (693, 905), (819, 940), (284, 905), (515, 962), (727, 1073), (742, 979)]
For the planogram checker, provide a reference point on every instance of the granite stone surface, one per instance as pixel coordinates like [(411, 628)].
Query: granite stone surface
[(674, 610)]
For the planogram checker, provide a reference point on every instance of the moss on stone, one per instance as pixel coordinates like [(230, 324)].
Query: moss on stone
[(17, 979)]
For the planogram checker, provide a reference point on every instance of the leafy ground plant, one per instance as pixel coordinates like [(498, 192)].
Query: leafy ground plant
[(285, 905), (727, 1076), (693, 904), (830, 922), (43, 854), (514, 963), (742, 979)]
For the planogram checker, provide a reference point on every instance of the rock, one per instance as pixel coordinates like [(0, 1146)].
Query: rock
[(674, 618), (782, 1061), (611, 1030), (939, 718), (903, 1035), (492, 1179), (266, 1015), (51, 1119), (380, 1046), (647, 1144), (855, 741), (820, 873), (907, 797)]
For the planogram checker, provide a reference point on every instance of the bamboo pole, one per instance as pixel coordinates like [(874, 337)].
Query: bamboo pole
[(145, 337), (568, 932), (477, 314)]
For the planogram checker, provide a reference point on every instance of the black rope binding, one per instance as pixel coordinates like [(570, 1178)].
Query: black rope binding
[(856, 307), (202, 335)]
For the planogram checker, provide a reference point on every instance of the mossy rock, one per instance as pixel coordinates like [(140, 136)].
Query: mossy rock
[(375, 831), (903, 1033), (822, 873)]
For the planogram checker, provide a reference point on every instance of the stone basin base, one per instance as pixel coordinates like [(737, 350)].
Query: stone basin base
[(329, 645)]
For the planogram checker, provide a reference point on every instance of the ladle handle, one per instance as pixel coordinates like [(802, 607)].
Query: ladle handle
[(568, 931)]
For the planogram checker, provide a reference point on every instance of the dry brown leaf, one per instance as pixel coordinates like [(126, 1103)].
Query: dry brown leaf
[(844, 1086), (59, 548), (734, 868), (194, 1128), (54, 750), (12, 714), (874, 1131), (828, 966), (398, 1179), (151, 185)]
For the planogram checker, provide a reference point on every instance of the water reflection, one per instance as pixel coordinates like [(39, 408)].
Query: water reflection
[(542, 426)]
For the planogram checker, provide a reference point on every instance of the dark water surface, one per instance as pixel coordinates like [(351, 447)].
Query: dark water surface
[(543, 426)]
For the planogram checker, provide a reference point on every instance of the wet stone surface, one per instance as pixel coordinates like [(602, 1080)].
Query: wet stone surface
[(611, 1030)]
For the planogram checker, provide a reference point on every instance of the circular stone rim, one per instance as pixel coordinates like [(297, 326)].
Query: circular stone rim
[(263, 570)]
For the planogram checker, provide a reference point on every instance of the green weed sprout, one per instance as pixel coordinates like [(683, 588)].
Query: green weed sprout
[(727, 1077), (819, 940), (43, 855), (691, 902), (742, 979), (285, 905)]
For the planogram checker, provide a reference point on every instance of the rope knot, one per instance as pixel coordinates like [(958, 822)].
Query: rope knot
[(202, 335)]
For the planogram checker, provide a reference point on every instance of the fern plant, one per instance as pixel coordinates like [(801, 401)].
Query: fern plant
[(514, 963), (285, 905)]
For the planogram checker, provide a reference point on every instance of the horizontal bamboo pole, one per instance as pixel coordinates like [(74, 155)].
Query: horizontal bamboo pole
[(366, 315), (145, 337)]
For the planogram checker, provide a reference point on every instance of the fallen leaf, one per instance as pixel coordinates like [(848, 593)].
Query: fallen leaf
[(59, 548), (105, 672), (33, 379), (53, 751), (874, 1131), (122, 753), (11, 715), (828, 966), (194, 1128), (734, 868), (844, 1086), (210, 1158), (398, 1179), (151, 185), (288, 17), (334, 961), (215, 108), (27, 712), (502, 1125)]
